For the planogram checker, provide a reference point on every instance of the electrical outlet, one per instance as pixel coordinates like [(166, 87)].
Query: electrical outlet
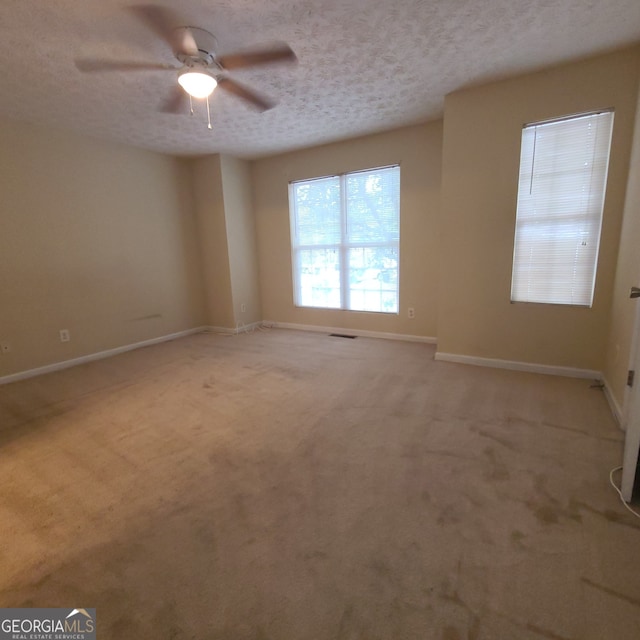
[(411, 312), (5, 347), (243, 307), (65, 336)]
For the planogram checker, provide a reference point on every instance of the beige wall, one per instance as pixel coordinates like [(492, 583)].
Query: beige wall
[(95, 238), (212, 235), (482, 130), (418, 151), (624, 309), (120, 245), (241, 240), (226, 232)]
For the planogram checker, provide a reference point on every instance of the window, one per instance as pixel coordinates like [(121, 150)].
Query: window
[(345, 234), (563, 174)]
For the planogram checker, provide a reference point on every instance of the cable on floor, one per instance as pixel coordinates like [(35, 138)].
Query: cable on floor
[(615, 486), (241, 327)]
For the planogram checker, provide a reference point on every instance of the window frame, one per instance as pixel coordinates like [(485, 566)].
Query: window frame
[(554, 218), (343, 247)]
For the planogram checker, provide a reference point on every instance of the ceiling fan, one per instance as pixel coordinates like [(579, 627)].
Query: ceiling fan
[(202, 70)]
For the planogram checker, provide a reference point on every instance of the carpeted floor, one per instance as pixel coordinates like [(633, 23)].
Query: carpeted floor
[(286, 485)]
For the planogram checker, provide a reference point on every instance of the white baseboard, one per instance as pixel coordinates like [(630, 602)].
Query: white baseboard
[(233, 331), (227, 331), (352, 332), (615, 408), (65, 364), (513, 365)]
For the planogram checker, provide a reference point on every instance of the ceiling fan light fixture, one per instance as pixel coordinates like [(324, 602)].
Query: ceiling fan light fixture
[(198, 84)]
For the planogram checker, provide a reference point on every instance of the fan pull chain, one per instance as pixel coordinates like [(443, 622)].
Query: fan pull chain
[(208, 115), (190, 104)]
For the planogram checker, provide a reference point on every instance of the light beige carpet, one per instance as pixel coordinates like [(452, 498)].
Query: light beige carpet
[(291, 486)]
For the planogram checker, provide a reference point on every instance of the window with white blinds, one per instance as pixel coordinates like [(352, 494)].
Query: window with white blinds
[(345, 235), (563, 174)]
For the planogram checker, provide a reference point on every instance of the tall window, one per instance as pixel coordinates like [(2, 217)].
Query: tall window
[(345, 234), (563, 174)]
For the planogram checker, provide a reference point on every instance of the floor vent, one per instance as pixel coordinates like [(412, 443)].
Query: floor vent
[(341, 335)]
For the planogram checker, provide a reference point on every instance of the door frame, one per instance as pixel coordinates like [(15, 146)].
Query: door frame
[(632, 417)]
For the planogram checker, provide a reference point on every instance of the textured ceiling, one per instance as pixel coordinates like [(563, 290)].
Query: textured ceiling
[(364, 65)]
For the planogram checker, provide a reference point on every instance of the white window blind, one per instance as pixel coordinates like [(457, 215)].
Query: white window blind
[(345, 234), (563, 174)]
